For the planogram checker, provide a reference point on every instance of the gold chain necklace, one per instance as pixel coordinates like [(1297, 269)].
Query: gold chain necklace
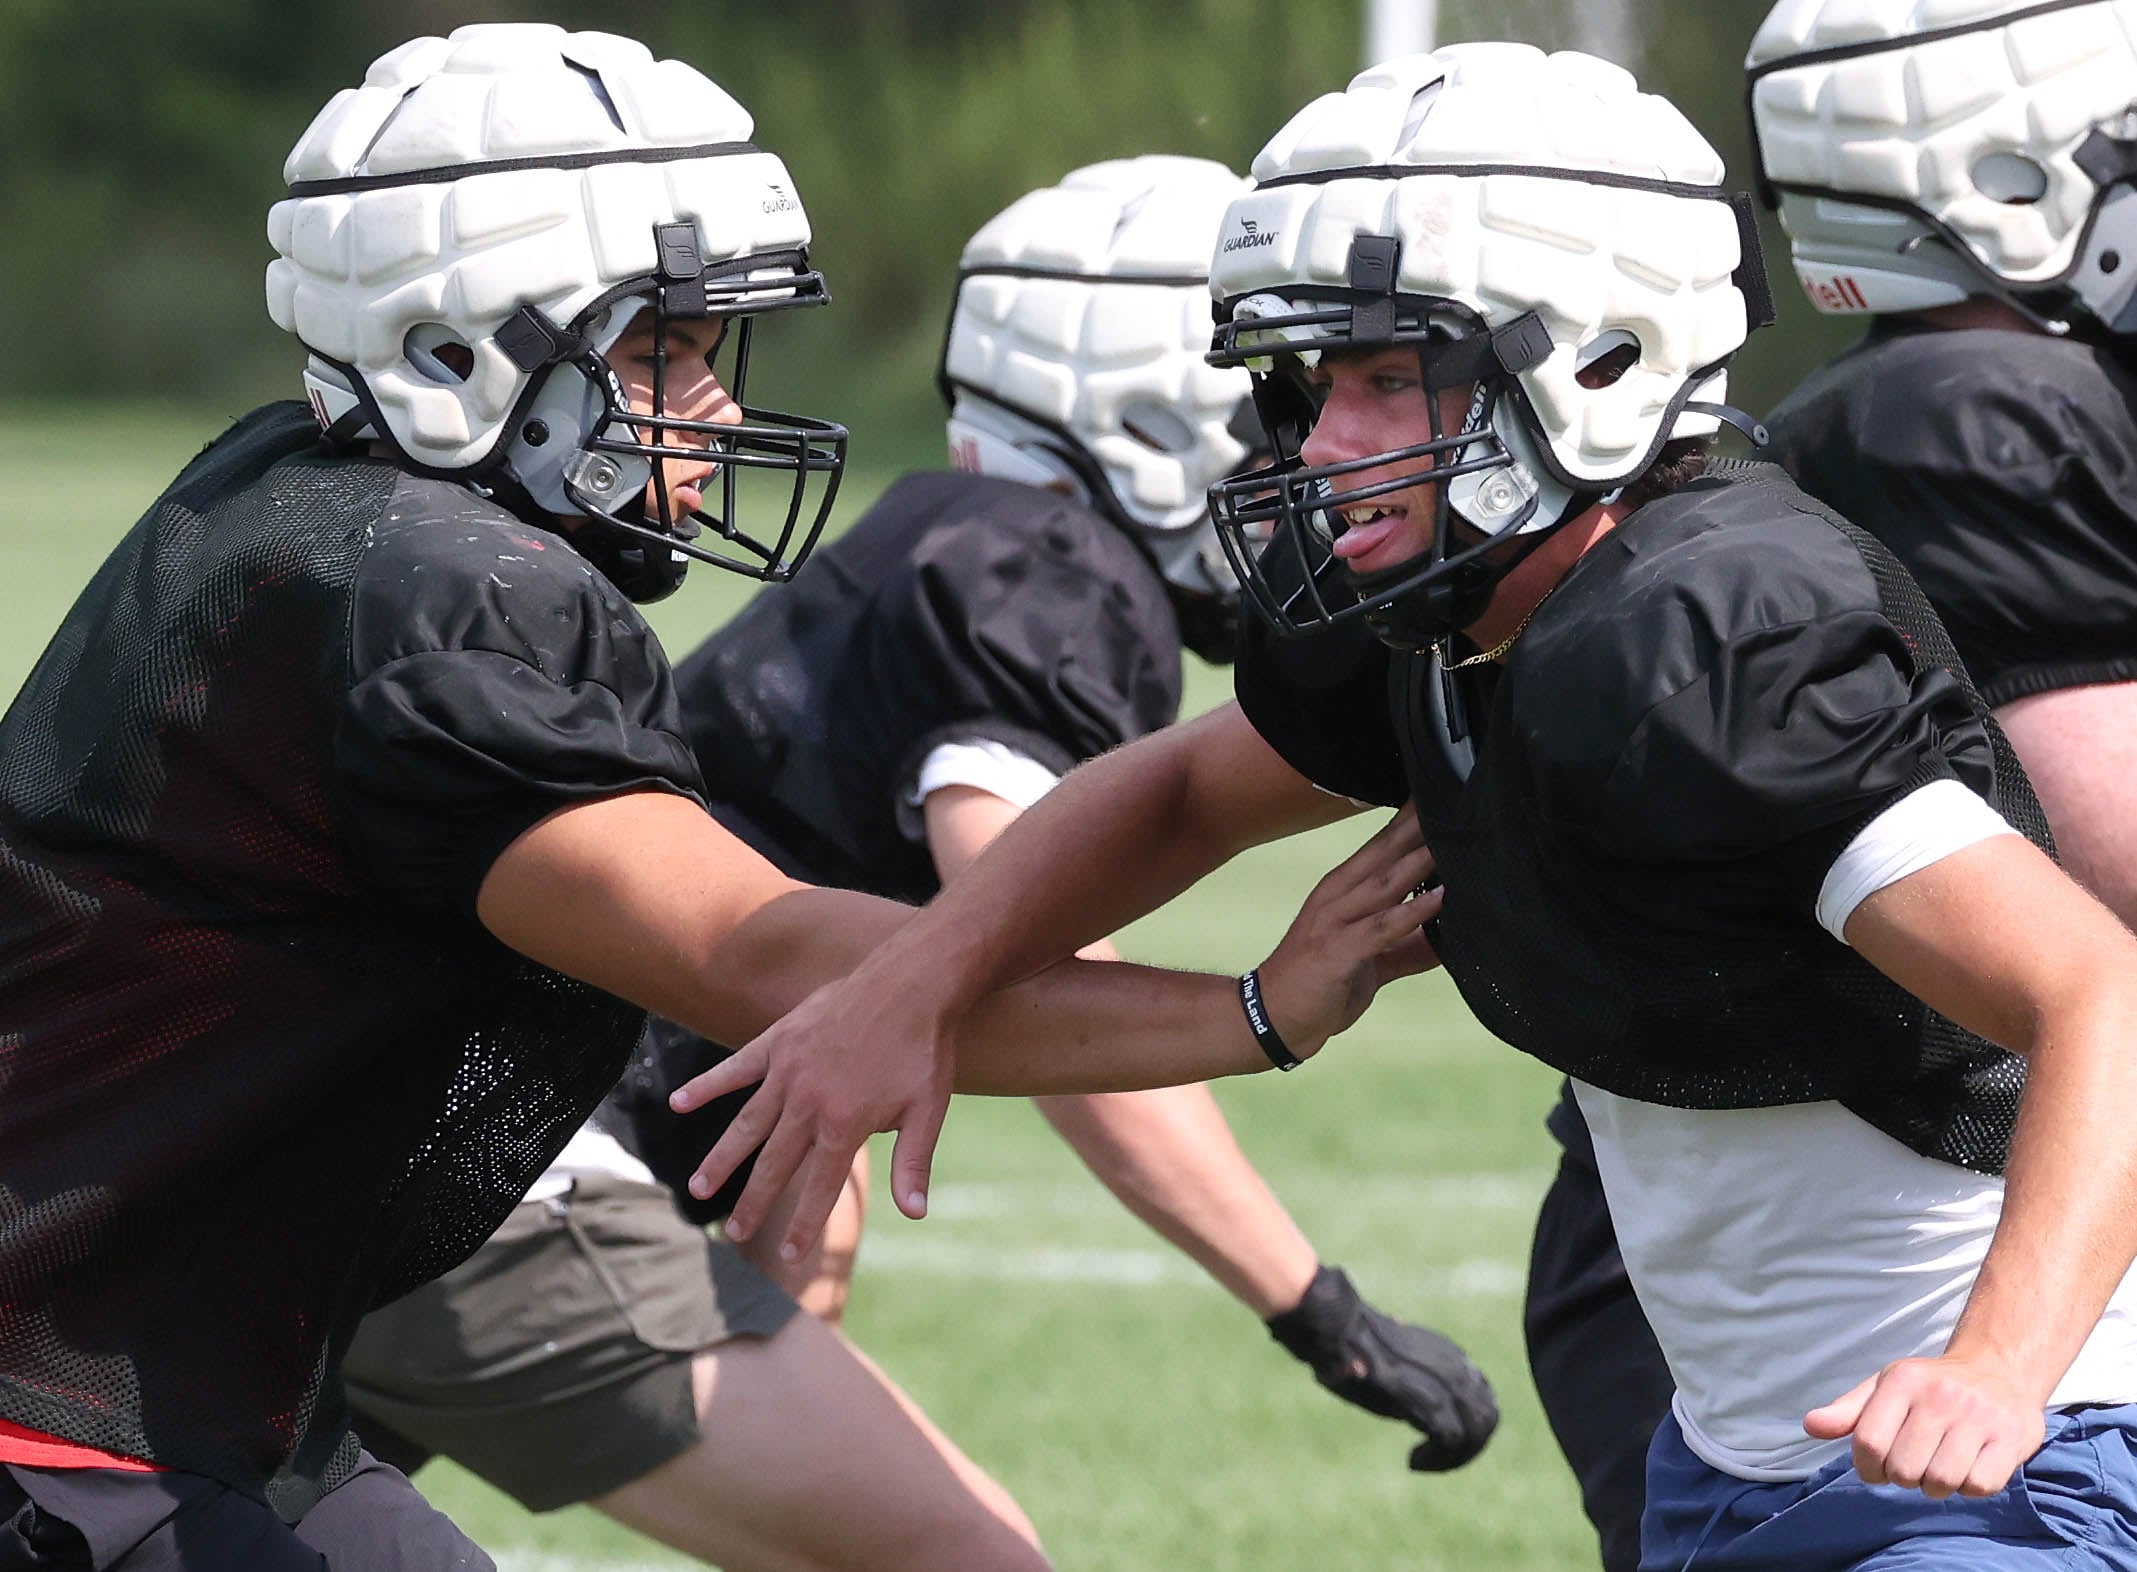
[(1498, 651)]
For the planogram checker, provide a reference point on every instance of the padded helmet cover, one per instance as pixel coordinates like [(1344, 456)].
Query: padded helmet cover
[(1964, 122), (1515, 181), (493, 169), (1076, 348)]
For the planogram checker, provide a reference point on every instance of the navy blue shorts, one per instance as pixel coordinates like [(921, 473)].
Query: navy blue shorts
[(2072, 1508)]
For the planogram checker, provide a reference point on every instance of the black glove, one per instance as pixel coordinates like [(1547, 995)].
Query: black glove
[(1390, 1368)]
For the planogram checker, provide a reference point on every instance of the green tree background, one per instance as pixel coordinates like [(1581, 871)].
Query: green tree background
[(141, 144)]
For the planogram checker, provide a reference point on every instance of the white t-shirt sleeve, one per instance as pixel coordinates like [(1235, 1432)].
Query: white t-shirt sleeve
[(1016, 778), (1924, 827)]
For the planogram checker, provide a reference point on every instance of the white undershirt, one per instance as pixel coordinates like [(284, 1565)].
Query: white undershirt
[(1925, 826), (1783, 1255), (994, 767), (1015, 777), (591, 1150)]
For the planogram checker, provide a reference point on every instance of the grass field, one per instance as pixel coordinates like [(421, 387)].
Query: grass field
[(1142, 1418)]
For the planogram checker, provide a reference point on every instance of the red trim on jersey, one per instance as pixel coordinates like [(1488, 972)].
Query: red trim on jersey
[(35, 1449)]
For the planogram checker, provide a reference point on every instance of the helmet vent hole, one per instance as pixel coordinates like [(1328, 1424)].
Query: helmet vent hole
[(1421, 103), (1160, 429), (384, 126), (1129, 212), (599, 89), (1604, 359), (2110, 261), (2010, 178), (438, 353)]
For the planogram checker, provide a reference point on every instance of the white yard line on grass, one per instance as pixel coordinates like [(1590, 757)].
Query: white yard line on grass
[(1491, 1190), (918, 1255)]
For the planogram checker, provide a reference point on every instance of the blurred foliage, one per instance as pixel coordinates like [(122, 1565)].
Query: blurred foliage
[(143, 144)]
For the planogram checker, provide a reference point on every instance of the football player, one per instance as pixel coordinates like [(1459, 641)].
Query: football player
[(347, 831), (1983, 430), (1984, 427), (1722, 831), (967, 640)]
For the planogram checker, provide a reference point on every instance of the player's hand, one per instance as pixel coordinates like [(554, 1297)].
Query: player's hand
[(1360, 929), (850, 1060), (1390, 1368), (1942, 1426)]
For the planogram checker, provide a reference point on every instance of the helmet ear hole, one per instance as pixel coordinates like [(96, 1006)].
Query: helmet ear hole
[(2010, 178), (1605, 358), (439, 353), (1159, 428)]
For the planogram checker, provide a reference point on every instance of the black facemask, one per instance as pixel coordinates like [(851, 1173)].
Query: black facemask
[(591, 453)]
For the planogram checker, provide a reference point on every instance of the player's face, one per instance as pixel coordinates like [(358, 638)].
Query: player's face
[(1375, 401), (690, 391)]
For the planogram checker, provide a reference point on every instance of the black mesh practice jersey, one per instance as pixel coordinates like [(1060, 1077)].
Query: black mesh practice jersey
[(262, 1068), (1717, 697), (959, 608), (2001, 468)]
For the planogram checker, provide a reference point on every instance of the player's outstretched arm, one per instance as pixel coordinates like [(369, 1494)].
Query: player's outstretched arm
[(1997, 938), (645, 895), (1117, 838), (1078, 1026)]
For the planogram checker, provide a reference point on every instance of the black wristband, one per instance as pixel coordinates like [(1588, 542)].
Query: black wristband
[(1264, 1029)]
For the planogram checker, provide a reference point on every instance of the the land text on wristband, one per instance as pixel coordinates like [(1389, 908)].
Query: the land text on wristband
[(1265, 1032)]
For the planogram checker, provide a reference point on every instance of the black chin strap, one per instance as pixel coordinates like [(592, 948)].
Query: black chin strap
[(1753, 282), (344, 431), (1749, 426)]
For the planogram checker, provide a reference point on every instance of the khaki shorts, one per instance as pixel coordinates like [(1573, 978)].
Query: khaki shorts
[(555, 1363)]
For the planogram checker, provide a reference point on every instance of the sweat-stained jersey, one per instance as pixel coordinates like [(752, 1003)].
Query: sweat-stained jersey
[(260, 1066), (958, 609), (2001, 468), (1717, 697)]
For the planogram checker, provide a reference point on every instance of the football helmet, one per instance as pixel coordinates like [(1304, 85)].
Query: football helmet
[(1540, 231), (1075, 353), (1921, 151), (469, 232)]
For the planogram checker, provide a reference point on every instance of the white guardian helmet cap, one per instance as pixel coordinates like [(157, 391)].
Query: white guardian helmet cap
[(1538, 229), (469, 231), (1076, 356), (1921, 151)]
